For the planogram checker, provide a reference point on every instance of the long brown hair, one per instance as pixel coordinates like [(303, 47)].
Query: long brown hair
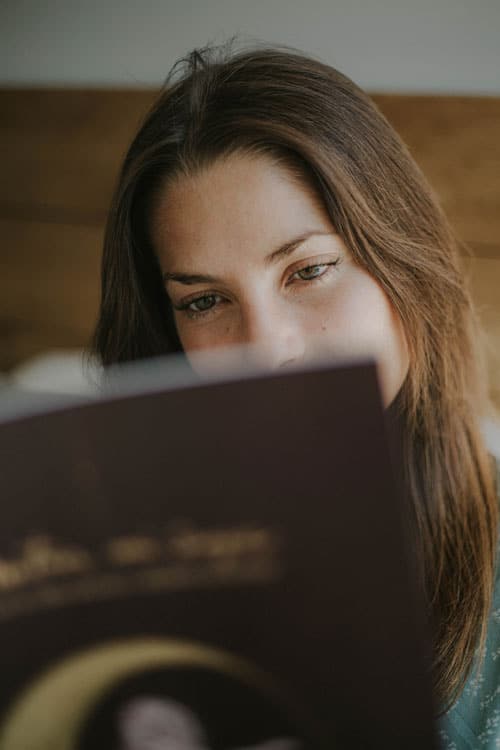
[(280, 102)]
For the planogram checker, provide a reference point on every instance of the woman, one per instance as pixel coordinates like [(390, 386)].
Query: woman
[(265, 199)]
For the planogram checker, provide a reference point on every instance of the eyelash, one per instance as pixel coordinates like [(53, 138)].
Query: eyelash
[(194, 314)]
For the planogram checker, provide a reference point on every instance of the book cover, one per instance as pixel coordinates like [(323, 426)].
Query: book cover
[(218, 564)]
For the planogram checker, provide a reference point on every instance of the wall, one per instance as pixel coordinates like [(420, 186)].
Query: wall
[(447, 46)]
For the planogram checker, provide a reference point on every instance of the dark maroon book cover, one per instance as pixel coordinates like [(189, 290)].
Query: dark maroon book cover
[(216, 566)]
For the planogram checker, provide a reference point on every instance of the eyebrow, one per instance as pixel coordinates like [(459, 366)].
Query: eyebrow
[(281, 252)]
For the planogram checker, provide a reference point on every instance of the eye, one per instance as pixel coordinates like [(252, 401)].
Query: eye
[(200, 305), (313, 271)]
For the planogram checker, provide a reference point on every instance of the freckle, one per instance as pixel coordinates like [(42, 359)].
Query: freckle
[(323, 327)]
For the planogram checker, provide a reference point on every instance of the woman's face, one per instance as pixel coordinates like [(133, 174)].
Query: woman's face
[(249, 255)]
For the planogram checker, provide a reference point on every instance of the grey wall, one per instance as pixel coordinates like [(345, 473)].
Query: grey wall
[(388, 45)]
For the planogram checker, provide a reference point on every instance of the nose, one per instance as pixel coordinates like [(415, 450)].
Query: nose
[(274, 335)]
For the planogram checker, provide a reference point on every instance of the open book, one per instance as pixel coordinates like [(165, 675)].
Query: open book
[(213, 562)]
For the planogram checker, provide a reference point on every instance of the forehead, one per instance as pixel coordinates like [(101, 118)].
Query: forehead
[(242, 202)]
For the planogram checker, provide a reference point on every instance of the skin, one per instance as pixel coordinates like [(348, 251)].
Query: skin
[(233, 222)]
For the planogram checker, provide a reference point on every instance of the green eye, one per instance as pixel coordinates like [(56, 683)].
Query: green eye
[(202, 304), (312, 272)]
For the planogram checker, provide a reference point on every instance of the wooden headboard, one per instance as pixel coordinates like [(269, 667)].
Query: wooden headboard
[(61, 150)]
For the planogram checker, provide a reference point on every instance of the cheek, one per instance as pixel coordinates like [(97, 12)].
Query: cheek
[(198, 336), (359, 320), (393, 358)]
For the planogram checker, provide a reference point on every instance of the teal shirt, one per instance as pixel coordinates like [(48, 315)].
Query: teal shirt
[(473, 723)]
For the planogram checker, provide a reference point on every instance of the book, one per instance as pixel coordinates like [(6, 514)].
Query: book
[(214, 562)]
